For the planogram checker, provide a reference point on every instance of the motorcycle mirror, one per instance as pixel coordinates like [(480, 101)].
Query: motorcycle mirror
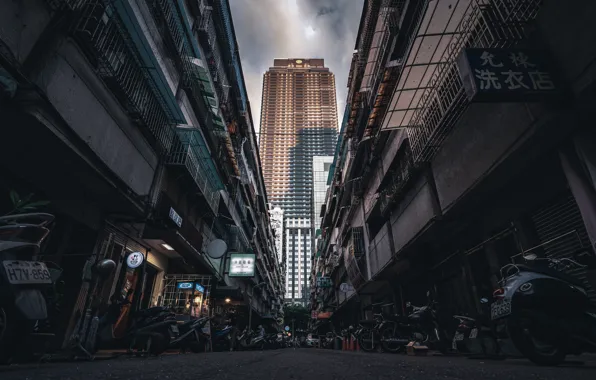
[(351, 327), (105, 267), (483, 300), (530, 257), (408, 304), (587, 258)]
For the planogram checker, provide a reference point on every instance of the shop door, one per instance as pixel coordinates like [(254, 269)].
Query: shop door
[(148, 286), (562, 232)]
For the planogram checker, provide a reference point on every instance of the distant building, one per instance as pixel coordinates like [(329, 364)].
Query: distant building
[(298, 122)]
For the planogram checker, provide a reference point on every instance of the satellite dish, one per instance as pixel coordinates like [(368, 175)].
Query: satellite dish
[(216, 249)]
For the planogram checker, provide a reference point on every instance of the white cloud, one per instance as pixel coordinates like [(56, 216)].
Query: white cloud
[(268, 29)]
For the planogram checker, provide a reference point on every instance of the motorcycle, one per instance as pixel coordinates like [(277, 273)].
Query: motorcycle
[(222, 337), (25, 285), (476, 335), (546, 312), (151, 330), (250, 339), (425, 326), (190, 335)]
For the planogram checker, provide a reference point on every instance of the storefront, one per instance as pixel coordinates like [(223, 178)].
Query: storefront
[(187, 294)]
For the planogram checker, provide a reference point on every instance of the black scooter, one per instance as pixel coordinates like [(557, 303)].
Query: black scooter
[(25, 285), (477, 335), (191, 335), (425, 326), (546, 312), (150, 332)]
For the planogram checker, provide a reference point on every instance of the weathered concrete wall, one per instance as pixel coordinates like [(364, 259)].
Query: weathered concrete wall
[(92, 112), (480, 139), (487, 132), (21, 24), (412, 215)]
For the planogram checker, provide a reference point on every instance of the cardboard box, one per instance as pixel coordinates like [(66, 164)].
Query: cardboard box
[(415, 349)]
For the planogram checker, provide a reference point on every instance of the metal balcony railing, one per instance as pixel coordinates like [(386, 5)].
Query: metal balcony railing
[(429, 98), (236, 239), (169, 24), (187, 152), (103, 38), (398, 178)]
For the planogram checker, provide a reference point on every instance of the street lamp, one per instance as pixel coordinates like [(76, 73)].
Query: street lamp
[(228, 300), (250, 303)]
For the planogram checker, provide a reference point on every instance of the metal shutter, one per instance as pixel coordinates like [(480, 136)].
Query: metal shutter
[(562, 232)]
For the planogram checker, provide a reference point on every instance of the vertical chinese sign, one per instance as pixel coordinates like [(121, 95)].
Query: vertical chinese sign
[(506, 75)]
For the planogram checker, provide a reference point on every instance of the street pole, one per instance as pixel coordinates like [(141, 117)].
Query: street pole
[(294, 333), (250, 311)]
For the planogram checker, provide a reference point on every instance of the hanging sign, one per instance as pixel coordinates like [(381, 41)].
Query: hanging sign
[(345, 288), (242, 265), (324, 282), (134, 260), (175, 217), (506, 75)]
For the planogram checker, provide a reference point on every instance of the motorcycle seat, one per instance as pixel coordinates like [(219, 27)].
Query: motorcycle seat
[(367, 322), (151, 311), (553, 273)]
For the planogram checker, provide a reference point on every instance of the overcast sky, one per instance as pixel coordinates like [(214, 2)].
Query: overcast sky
[(268, 29)]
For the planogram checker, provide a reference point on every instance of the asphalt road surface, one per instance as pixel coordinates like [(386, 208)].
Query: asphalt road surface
[(298, 364)]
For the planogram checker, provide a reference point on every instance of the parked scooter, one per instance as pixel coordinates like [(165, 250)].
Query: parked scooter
[(250, 339), (25, 284), (476, 335), (151, 330), (547, 312), (427, 327), (190, 335), (222, 337)]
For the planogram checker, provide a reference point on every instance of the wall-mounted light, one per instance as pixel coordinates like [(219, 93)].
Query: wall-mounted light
[(167, 246), (228, 300)]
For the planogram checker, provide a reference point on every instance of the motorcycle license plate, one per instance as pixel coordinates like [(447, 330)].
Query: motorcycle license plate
[(459, 336), (26, 272), (473, 333), (500, 308)]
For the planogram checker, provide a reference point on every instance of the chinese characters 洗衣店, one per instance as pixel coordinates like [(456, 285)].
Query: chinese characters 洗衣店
[(492, 79)]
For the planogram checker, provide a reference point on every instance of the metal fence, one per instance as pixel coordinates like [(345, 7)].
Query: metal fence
[(102, 36), (484, 23), (186, 152)]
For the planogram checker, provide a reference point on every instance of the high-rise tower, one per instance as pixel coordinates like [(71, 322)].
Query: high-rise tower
[(298, 122)]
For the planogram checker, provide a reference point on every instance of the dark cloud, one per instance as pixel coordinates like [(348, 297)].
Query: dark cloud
[(268, 29), (325, 11)]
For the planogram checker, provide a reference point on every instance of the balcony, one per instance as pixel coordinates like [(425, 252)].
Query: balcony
[(397, 179), (429, 97), (190, 154), (237, 241), (104, 39)]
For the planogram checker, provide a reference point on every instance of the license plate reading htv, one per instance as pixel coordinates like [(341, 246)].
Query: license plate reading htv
[(27, 272)]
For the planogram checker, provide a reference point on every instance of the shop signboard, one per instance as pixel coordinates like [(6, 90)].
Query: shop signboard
[(242, 265), (506, 75), (134, 260), (324, 315), (187, 286), (324, 282), (199, 288), (175, 217)]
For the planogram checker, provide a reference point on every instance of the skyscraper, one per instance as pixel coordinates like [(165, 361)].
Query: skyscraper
[(298, 122)]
